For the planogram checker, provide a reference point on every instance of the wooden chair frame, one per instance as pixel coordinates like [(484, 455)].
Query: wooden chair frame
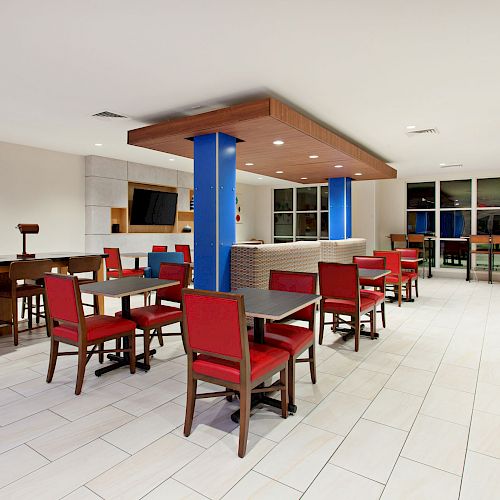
[(87, 264), (82, 343), (398, 287), (245, 388), (354, 322)]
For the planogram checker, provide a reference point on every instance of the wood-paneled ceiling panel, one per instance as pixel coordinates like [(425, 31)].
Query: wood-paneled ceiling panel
[(257, 124)]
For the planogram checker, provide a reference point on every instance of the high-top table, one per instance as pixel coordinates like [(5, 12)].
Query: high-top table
[(60, 260), (274, 305), (124, 288)]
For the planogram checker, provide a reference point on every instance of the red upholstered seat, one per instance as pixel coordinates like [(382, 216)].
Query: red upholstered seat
[(395, 279), (348, 306), (148, 316), (263, 359), (125, 273), (291, 338), (374, 295), (98, 327), (411, 275)]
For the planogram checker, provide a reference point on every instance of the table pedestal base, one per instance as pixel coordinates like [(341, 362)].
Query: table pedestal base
[(347, 332), (124, 361)]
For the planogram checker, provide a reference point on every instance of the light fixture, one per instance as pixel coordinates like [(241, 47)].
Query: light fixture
[(25, 229), (278, 142), (358, 173), (171, 159), (313, 156), (338, 166), (303, 178), (411, 127), (442, 164), (259, 178), (279, 171), (98, 144), (249, 164)]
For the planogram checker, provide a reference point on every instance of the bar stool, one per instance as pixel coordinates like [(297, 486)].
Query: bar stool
[(29, 272), (90, 264)]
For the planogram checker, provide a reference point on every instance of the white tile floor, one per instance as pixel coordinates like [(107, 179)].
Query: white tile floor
[(413, 415)]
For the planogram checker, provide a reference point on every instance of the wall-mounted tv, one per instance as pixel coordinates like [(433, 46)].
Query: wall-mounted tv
[(153, 208)]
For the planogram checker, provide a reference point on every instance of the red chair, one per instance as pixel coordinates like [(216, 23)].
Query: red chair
[(378, 292), (153, 318), (397, 279), (186, 251), (339, 288), (67, 324), (292, 338), (410, 268), (114, 265), (218, 352), (160, 248)]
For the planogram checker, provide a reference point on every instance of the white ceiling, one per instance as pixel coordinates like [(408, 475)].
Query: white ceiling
[(366, 68)]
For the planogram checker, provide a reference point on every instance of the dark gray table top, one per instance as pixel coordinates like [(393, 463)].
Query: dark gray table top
[(372, 274), (122, 287), (7, 259), (134, 255), (274, 304)]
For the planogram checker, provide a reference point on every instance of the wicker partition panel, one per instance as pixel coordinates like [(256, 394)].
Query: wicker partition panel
[(342, 250)]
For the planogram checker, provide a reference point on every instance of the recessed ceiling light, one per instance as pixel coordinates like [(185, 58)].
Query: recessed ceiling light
[(303, 178), (338, 166), (171, 159), (98, 144), (313, 156), (358, 173), (249, 164), (442, 164), (278, 142), (411, 127), (279, 171), (259, 178)]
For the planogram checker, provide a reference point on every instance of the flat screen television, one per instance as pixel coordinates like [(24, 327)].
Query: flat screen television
[(153, 208)]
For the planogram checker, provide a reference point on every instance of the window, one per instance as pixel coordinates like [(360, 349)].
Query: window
[(421, 195), (488, 222), (421, 222), (488, 193), (300, 214), (455, 194), (455, 223)]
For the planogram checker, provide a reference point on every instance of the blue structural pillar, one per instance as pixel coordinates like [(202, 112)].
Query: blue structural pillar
[(339, 208), (214, 210)]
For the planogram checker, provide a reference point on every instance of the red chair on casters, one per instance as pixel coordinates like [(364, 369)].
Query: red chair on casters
[(67, 324), (218, 352), (410, 268), (292, 338), (339, 288), (378, 293), (396, 278), (160, 248), (114, 265), (153, 318)]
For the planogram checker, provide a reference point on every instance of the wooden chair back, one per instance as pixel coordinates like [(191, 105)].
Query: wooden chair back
[(87, 264), (29, 269)]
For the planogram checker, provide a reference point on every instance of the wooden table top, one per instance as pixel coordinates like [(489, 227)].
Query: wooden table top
[(134, 255), (7, 259), (122, 287), (372, 274), (274, 304)]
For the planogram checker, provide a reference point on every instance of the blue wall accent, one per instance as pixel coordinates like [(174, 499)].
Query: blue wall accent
[(214, 210), (340, 208)]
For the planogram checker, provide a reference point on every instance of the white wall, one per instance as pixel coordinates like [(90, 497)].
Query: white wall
[(246, 197), (263, 213), (46, 188), (364, 220)]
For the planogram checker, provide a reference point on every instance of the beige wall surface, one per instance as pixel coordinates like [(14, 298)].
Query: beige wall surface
[(46, 188)]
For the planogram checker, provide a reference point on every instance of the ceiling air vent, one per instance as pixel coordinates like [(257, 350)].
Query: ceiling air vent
[(108, 114), (451, 165), (422, 131)]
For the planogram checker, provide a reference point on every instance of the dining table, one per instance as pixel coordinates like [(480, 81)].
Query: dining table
[(124, 288), (274, 305), (136, 256)]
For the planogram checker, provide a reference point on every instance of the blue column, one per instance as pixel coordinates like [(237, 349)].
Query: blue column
[(339, 208), (214, 210)]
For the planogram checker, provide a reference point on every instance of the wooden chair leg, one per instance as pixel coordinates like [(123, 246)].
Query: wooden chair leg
[(383, 314), (191, 400), (159, 333), (416, 287), (400, 296), (101, 354), (321, 323), (147, 342), (284, 392), (357, 329), (291, 381), (96, 305), (312, 363), (245, 399), (30, 313), (54, 349), (37, 310), (82, 358), (23, 307), (15, 322), (132, 352), (372, 323)]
